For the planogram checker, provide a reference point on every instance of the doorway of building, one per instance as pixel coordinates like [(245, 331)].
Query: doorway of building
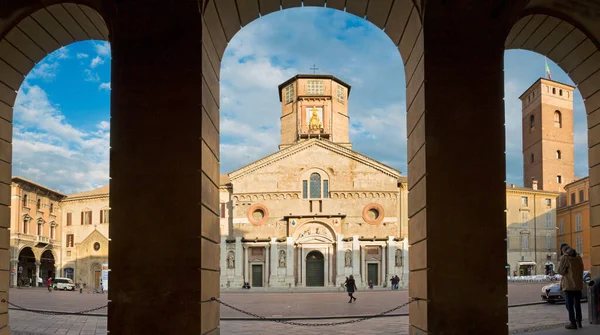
[(26, 269), (315, 269), (257, 275), (47, 265), (373, 273)]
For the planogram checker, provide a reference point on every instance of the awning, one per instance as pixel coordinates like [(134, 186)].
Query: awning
[(527, 263)]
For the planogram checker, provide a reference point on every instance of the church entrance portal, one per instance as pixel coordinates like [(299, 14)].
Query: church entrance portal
[(315, 269), (373, 273), (257, 275)]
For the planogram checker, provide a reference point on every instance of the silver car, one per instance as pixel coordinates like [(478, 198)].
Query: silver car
[(552, 293)]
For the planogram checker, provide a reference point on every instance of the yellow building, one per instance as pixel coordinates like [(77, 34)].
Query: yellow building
[(530, 230), (86, 217), (35, 234), (574, 219)]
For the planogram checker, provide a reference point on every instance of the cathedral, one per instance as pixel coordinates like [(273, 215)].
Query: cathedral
[(315, 211)]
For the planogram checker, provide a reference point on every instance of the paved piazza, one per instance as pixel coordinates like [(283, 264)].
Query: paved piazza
[(300, 304)]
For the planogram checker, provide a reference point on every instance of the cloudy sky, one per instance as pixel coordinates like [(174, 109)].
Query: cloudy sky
[(61, 129)]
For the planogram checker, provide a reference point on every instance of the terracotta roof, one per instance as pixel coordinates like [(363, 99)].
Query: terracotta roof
[(104, 190), (224, 180), (18, 178)]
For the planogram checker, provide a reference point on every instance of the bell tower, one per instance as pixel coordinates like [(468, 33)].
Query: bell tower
[(314, 106), (548, 154)]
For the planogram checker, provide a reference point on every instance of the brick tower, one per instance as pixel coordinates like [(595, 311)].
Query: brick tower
[(314, 106), (548, 155)]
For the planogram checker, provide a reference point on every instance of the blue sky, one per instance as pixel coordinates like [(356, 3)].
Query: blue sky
[(71, 88)]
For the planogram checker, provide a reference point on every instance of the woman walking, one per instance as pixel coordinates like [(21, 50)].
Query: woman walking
[(351, 287)]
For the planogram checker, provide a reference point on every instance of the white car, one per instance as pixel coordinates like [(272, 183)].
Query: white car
[(65, 284), (552, 293)]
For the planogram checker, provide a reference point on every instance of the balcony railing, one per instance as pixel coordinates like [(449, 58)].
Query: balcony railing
[(42, 239)]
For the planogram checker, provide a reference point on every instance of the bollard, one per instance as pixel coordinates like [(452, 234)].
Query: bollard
[(593, 298)]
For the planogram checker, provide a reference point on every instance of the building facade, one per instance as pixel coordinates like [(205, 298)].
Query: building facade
[(574, 219), (85, 222), (548, 154), (35, 232), (314, 212), (530, 231)]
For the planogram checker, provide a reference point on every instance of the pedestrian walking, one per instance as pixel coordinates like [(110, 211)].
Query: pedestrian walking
[(396, 281), (570, 267), (49, 284), (351, 288)]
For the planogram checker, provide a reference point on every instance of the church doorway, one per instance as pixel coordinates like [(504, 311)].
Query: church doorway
[(257, 275), (315, 269), (373, 273)]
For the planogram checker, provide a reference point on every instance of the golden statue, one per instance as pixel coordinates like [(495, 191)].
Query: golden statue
[(315, 122)]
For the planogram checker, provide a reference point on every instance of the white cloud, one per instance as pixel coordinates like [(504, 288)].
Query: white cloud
[(90, 75), (103, 49), (81, 55), (61, 53), (49, 150), (44, 70), (96, 61), (104, 86)]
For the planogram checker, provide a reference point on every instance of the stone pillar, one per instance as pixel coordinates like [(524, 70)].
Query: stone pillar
[(238, 279), (246, 264), (289, 262), (356, 259), (340, 261), (303, 266), (274, 278), (391, 257), (224, 262), (163, 141), (37, 273), (363, 266), (458, 78), (383, 277), (14, 272), (404, 278)]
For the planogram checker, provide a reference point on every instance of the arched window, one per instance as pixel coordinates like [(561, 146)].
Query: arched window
[(25, 226), (25, 200), (558, 154), (553, 90), (531, 122), (557, 119), (39, 204), (315, 185), (51, 208), (39, 230), (52, 232), (559, 179), (560, 92)]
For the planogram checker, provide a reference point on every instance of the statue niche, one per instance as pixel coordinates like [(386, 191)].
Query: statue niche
[(348, 258), (315, 122), (282, 258), (231, 260), (398, 258)]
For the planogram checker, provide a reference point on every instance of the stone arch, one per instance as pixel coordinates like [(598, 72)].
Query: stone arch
[(327, 235)]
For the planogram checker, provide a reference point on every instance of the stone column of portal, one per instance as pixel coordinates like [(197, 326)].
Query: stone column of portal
[(405, 261), (238, 279), (454, 72), (163, 141), (383, 277), (340, 261), (356, 259), (391, 258), (246, 265), (37, 272), (224, 263), (363, 267), (289, 262), (274, 278)]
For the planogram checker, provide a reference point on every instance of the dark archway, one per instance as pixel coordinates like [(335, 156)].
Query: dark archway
[(47, 269), (315, 269), (26, 268)]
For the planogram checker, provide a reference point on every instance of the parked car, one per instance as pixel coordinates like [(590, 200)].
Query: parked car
[(552, 293), (65, 284)]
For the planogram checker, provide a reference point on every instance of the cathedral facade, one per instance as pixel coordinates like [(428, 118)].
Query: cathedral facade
[(316, 211)]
